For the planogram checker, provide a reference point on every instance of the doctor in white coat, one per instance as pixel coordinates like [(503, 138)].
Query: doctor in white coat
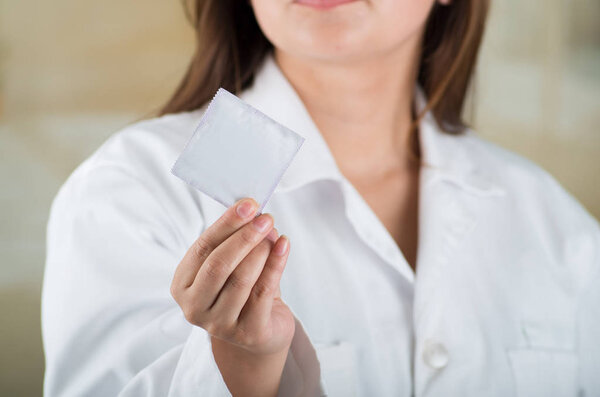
[(467, 272)]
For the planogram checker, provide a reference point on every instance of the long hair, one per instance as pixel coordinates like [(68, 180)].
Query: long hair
[(230, 47)]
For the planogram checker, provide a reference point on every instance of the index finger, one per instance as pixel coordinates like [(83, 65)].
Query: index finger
[(232, 219)]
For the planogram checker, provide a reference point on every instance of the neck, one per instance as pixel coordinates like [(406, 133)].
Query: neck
[(363, 108)]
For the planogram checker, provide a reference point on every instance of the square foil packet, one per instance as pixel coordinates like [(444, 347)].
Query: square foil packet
[(236, 151)]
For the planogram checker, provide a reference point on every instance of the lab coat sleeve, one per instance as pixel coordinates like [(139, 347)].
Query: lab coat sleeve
[(110, 325)]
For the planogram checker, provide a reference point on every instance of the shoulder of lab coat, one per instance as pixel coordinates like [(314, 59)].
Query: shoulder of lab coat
[(565, 228), (115, 234)]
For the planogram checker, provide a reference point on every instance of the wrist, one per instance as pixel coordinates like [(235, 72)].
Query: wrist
[(248, 373)]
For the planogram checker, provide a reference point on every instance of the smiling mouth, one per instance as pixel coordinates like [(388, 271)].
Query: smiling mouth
[(322, 4)]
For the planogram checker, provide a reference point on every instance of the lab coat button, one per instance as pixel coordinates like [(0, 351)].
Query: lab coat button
[(435, 355)]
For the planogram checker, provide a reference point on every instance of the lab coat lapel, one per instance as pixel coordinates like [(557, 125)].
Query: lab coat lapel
[(446, 214), (455, 194)]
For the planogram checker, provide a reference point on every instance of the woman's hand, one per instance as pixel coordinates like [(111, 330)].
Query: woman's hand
[(228, 284)]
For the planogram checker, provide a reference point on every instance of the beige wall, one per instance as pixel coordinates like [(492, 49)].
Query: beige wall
[(538, 88), (72, 72)]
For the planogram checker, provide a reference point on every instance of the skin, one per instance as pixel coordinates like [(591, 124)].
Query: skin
[(363, 54)]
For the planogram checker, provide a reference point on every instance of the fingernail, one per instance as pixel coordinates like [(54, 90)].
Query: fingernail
[(273, 235), (246, 208), (261, 223), (281, 246)]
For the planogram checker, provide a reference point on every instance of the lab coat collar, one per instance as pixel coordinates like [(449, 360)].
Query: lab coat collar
[(445, 156), (451, 157)]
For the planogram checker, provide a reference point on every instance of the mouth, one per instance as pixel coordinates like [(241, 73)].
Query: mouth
[(323, 4)]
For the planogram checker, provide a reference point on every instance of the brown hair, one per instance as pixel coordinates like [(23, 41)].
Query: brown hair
[(230, 47)]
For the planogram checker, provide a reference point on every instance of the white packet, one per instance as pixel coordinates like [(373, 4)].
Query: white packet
[(236, 151)]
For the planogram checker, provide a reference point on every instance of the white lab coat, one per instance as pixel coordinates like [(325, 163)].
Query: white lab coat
[(505, 300)]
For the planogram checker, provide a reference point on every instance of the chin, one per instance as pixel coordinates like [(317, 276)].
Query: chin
[(347, 32), (329, 52), (327, 40)]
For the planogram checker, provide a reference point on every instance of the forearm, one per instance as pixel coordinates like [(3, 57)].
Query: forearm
[(247, 374)]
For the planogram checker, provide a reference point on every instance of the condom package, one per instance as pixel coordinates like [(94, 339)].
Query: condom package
[(236, 151)]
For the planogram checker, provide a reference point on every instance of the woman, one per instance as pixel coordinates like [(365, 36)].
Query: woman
[(419, 259)]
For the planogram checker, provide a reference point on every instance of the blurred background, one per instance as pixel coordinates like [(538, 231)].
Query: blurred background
[(73, 72)]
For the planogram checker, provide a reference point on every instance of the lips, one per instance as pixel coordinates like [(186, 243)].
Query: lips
[(323, 4)]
